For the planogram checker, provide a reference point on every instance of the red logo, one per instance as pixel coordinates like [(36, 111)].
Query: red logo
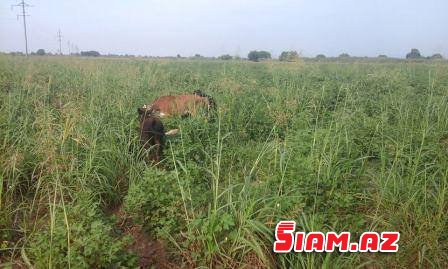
[(288, 239)]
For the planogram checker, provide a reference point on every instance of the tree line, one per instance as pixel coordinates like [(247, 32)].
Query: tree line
[(254, 55)]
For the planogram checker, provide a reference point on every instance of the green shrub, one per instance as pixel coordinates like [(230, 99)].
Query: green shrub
[(82, 239), (155, 201)]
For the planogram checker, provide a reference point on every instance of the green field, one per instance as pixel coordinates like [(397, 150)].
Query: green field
[(354, 146)]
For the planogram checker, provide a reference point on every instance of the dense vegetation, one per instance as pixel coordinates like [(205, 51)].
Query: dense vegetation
[(289, 56), (335, 146), (257, 56)]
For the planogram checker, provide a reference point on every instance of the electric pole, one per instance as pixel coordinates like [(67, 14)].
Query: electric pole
[(23, 5), (60, 41)]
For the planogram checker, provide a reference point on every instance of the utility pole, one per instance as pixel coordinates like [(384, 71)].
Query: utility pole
[(23, 5), (60, 41)]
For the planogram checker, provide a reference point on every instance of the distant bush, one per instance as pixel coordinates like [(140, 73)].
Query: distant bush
[(414, 54), (344, 55), (436, 56), (382, 56), (225, 57), (91, 53), (256, 56), (320, 56), (15, 53), (289, 56), (40, 52)]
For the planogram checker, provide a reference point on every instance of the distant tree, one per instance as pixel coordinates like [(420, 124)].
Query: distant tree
[(382, 56), (225, 57), (40, 52), (178, 56), (258, 55), (414, 54), (253, 56), (198, 56), (16, 53), (91, 53), (320, 56), (237, 57), (436, 56), (344, 55), (289, 56)]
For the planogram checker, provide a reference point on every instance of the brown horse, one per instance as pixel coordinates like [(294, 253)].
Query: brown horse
[(152, 134), (181, 105)]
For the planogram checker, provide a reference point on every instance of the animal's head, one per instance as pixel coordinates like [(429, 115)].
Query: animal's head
[(199, 93), (211, 102), (152, 133), (144, 112)]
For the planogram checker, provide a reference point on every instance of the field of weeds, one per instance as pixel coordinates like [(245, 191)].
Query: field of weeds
[(359, 146)]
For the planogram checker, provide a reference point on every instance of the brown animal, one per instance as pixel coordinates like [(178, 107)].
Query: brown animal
[(181, 105), (152, 134)]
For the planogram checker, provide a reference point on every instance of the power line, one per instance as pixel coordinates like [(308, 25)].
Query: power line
[(23, 5), (60, 41)]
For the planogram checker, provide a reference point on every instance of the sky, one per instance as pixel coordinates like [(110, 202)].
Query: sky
[(213, 28)]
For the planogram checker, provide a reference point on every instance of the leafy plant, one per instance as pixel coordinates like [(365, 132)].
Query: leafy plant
[(78, 237)]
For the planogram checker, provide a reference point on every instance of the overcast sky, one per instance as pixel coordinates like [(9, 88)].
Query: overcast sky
[(212, 28)]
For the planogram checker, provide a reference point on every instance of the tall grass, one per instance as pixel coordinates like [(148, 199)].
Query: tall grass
[(336, 147)]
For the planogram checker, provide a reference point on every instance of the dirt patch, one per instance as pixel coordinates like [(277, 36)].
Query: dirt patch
[(151, 253), (444, 141), (253, 261), (4, 263)]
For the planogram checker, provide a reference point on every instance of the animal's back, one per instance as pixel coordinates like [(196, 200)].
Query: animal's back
[(177, 105)]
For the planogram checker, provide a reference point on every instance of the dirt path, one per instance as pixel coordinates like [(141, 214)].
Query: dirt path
[(151, 253)]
